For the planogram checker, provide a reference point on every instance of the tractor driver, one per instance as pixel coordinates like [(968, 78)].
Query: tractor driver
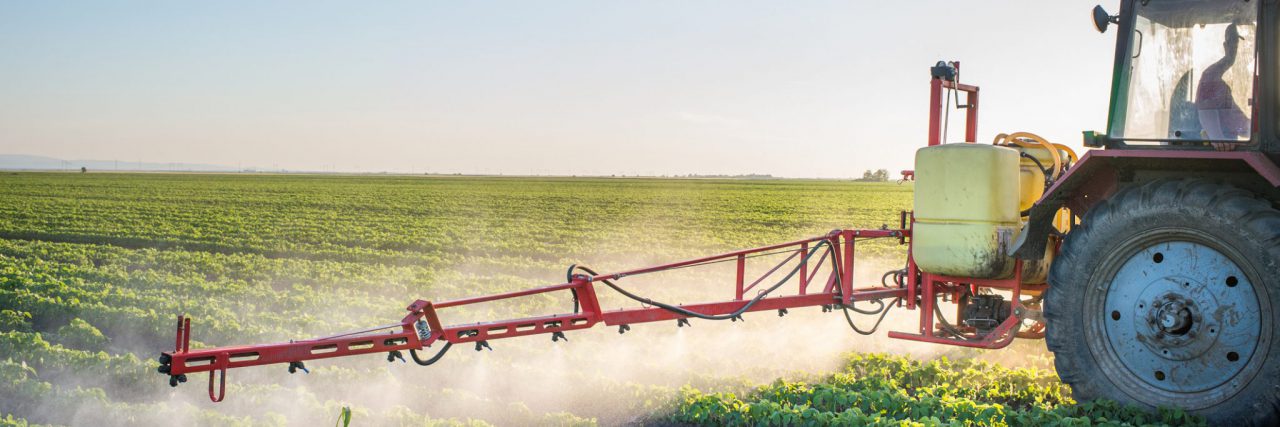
[(1220, 116)]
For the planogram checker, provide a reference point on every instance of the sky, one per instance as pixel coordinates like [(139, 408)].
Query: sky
[(797, 89)]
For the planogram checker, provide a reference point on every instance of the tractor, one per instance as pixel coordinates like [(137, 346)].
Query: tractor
[(1150, 265)]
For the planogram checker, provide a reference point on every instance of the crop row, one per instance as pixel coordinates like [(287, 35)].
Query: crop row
[(434, 220), (883, 390), (94, 267)]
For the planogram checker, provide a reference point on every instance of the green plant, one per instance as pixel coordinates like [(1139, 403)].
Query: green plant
[(80, 334)]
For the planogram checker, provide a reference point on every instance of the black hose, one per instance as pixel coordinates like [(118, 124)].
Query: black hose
[(1048, 182), (1048, 173), (685, 312), (568, 279), (883, 311), (414, 354), (948, 327), (870, 312), (897, 278)]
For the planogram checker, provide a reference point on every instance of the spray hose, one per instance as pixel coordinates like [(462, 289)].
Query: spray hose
[(413, 353), (1031, 140), (689, 313), (881, 309)]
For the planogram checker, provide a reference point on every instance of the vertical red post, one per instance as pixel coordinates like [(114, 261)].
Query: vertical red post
[(1017, 289), (804, 267), (912, 283), (587, 297), (742, 271), (177, 335), (928, 299), (846, 283), (971, 117), (935, 112)]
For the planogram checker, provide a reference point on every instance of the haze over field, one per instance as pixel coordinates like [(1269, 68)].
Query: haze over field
[(441, 150), (94, 267), (573, 87)]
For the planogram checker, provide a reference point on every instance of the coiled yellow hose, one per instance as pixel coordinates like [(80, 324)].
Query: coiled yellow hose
[(1031, 140)]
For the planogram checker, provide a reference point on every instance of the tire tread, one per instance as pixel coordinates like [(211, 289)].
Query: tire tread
[(1258, 221)]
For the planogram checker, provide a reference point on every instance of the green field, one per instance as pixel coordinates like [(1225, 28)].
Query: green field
[(94, 267)]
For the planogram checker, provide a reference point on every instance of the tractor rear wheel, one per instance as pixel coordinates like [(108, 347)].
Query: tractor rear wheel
[(1168, 295)]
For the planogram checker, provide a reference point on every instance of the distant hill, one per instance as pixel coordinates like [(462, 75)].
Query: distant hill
[(25, 162)]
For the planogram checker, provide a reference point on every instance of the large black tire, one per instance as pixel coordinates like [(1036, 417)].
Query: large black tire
[(1137, 290)]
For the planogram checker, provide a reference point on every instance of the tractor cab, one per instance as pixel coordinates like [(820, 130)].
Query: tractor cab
[(1189, 75)]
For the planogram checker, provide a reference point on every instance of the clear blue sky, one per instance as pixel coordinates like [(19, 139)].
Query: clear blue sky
[(804, 89)]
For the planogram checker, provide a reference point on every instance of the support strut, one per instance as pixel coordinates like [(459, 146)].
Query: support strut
[(422, 327)]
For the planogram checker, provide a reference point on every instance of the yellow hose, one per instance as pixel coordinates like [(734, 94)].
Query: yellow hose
[(1071, 153), (1017, 138)]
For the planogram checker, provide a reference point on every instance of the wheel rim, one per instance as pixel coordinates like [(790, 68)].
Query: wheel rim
[(1181, 321)]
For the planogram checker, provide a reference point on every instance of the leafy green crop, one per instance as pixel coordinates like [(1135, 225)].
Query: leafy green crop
[(94, 267), (880, 390)]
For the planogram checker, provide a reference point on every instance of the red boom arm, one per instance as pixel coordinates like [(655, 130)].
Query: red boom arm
[(422, 327)]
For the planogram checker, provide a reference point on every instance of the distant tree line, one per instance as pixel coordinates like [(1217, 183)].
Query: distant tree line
[(739, 176), (879, 175)]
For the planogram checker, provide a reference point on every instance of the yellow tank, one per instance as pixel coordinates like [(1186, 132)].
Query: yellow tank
[(967, 212), (1031, 176)]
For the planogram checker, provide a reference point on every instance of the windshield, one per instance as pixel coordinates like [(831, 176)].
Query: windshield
[(1190, 73)]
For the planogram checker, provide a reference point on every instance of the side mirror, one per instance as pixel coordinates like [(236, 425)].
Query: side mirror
[(1101, 19)]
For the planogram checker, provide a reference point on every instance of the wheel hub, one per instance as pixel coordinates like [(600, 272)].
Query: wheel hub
[(1173, 326), (1182, 317), (1174, 317)]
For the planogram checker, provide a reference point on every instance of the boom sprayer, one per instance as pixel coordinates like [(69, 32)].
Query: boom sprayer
[(1150, 265)]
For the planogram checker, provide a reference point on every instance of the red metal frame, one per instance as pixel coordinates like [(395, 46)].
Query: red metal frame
[(937, 104), (934, 285), (1082, 181), (404, 335), (422, 326)]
